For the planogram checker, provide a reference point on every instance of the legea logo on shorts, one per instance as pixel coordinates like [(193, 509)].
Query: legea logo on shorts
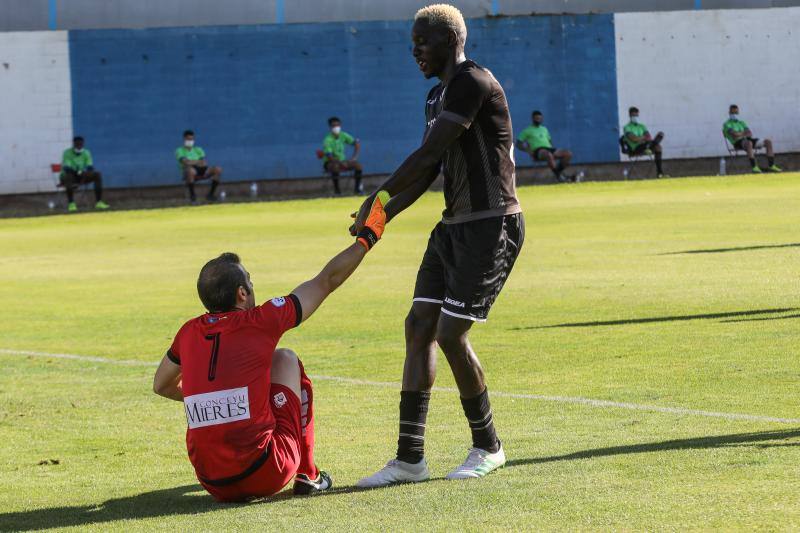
[(279, 400), (220, 407), (454, 302)]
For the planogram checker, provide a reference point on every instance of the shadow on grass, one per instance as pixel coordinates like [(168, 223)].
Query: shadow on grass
[(678, 318), (165, 502), (736, 249), (696, 443), (761, 319)]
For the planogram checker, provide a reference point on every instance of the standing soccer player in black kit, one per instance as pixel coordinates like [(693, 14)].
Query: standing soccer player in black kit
[(470, 252)]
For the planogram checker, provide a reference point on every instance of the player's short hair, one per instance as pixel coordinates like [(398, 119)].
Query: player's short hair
[(218, 282), (446, 16), (633, 110), (77, 138), (733, 106), (186, 133), (334, 119), (537, 112)]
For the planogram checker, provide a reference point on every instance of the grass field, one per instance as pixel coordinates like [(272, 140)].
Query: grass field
[(678, 293)]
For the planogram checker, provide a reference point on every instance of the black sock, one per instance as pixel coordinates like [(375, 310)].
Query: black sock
[(214, 185), (192, 195), (336, 185), (98, 190), (357, 176), (658, 163), (771, 161), (413, 413), (481, 422), (70, 194), (753, 162)]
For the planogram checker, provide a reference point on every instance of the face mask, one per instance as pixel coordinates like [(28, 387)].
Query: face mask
[(336, 130), (734, 116), (537, 122), (634, 120), (188, 143), (78, 150)]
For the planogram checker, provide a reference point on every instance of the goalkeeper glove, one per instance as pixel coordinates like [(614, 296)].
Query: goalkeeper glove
[(371, 233)]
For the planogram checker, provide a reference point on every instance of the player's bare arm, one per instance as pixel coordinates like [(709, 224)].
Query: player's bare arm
[(167, 381), (313, 292), (417, 167)]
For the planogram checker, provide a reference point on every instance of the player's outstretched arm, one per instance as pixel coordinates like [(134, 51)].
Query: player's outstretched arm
[(417, 167), (313, 292), (167, 381)]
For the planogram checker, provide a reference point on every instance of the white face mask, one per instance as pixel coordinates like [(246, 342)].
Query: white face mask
[(734, 116), (188, 143), (336, 130), (78, 150), (634, 120)]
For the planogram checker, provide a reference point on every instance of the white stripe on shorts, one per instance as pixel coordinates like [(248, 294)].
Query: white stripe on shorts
[(428, 300), (474, 319)]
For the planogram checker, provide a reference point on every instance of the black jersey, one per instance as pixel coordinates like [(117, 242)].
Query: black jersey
[(478, 168)]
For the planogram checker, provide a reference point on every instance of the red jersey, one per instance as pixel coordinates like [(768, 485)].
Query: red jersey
[(225, 360)]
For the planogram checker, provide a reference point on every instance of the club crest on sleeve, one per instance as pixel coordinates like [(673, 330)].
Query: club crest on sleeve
[(279, 400), (278, 302)]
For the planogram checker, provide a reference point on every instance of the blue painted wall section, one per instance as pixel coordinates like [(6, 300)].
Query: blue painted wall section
[(258, 96)]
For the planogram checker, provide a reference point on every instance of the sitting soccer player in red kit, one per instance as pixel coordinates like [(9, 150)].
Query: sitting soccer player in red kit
[(249, 406)]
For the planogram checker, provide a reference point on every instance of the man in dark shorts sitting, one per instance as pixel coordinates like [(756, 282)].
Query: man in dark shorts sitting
[(193, 166), (535, 140), (470, 252), (334, 159), (77, 168), (741, 138), (637, 140)]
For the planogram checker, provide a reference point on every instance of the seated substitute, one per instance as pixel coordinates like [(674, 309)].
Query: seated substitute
[(334, 159), (249, 406), (536, 141), (638, 140), (77, 168), (193, 166), (741, 138)]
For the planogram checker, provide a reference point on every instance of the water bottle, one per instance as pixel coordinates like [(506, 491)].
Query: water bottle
[(253, 189), (625, 172), (723, 170), (581, 175), (51, 205), (222, 196)]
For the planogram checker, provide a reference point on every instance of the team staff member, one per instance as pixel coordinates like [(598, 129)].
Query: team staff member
[(638, 140), (334, 158), (536, 141), (77, 168), (193, 166), (249, 407), (470, 252), (739, 135)]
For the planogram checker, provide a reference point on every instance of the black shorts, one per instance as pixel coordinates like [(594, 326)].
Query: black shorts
[(201, 172), (641, 149), (738, 145), (537, 153), (466, 265)]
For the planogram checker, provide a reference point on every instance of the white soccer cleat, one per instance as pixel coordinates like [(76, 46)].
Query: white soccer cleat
[(396, 471), (478, 464)]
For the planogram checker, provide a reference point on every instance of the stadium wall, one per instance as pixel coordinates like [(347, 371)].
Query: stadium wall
[(683, 70), (258, 96), (36, 106)]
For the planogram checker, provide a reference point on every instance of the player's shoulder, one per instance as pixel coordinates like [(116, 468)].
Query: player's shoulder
[(473, 76)]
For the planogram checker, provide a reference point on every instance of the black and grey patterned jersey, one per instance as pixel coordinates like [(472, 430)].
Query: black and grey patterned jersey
[(478, 168)]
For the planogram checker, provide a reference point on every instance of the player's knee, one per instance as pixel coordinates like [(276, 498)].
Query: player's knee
[(767, 142), (420, 326), (451, 342), (285, 358), (567, 154)]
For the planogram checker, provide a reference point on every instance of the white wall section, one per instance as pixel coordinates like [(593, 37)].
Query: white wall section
[(36, 108), (683, 69)]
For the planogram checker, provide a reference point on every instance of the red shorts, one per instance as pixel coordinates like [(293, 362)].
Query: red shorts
[(284, 455)]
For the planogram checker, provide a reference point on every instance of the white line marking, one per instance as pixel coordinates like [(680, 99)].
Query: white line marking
[(387, 384)]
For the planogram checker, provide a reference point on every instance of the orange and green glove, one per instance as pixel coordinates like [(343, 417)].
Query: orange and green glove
[(372, 231)]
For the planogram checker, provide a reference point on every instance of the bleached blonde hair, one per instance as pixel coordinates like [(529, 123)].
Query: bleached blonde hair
[(446, 16)]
